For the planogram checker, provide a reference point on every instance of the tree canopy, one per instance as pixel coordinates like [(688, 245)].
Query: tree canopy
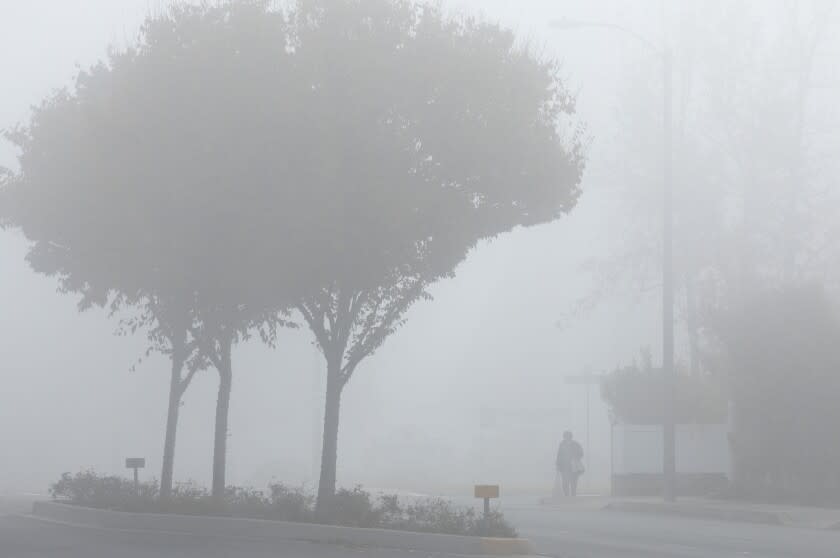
[(441, 133), (782, 357), (336, 157), (633, 394), (233, 138)]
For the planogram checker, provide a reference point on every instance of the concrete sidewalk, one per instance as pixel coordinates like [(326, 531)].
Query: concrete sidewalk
[(18, 503), (726, 510), (581, 501)]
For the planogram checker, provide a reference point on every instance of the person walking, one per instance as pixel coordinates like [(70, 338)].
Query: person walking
[(569, 464)]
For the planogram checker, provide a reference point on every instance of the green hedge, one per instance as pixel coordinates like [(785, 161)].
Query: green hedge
[(349, 507)]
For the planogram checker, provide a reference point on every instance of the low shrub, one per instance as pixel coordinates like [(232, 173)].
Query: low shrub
[(349, 507), (291, 504), (109, 492), (353, 508), (436, 515)]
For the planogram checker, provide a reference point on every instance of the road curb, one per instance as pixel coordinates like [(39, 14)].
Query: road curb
[(257, 528), (698, 512)]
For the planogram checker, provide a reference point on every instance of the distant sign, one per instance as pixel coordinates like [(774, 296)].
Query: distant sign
[(487, 491), (135, 462)]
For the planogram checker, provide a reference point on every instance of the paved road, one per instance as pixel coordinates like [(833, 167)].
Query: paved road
[(24, 537), (27, 537), (572, 531), (582, 531)]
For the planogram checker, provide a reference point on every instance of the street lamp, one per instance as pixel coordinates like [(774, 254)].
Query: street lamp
[(669, 463), (586, 379)]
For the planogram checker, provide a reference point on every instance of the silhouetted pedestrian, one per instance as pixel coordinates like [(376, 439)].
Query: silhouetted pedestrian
[(569, 464)]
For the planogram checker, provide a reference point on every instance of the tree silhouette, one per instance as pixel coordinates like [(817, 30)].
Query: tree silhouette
[(151, 184), (781, 359), (167, 323), (429, 135), (335, 157)]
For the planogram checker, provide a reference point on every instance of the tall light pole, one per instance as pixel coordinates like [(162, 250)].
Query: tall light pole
[(586, 379), (669, 461), (669, 442)]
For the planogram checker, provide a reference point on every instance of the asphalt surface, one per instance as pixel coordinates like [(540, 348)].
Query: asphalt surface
[(22, 536), (25, 537), (582, 531), (578, 530)]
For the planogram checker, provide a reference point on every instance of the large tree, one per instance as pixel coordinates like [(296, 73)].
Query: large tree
[(428, 135), (152, 183), (167, 322)]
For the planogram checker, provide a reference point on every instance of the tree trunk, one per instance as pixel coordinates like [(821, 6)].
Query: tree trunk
[(692, 326), (739, 475), (175, 392), (329, 451), (222, 407)]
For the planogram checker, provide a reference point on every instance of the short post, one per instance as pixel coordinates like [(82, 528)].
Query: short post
[(486, 492), (612, 455), (135, 463)]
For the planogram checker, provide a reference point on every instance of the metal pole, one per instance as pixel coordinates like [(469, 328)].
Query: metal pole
[(612, 457), (588, 445), (668, 421), (136, 482), (317, 395), (668, 372)]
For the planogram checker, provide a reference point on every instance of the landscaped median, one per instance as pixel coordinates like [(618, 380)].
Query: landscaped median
[(232, 527)]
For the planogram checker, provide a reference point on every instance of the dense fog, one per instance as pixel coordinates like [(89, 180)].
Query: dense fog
[(473, 387)]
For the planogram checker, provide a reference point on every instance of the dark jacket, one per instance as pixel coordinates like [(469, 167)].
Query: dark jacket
[(568, 452)]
